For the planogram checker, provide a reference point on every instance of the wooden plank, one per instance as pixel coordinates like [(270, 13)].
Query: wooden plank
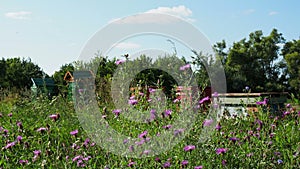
[(237, 100)]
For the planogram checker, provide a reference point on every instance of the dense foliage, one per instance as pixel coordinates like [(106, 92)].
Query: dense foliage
[(16, 73)]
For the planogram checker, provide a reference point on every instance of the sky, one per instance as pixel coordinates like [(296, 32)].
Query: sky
[(53, 33)]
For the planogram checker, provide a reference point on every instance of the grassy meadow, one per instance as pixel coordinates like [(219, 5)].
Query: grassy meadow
[(44, 133)]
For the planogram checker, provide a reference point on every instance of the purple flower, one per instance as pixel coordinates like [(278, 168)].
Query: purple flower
[(37, 152), (152, 114), (167, 164), (73, 133), (277, 153), (247, 88), (140, 142), (189, 148), (19, 138), (272, 135), (204, 99), (117, 112), (259, 122), (23, 161), (184, 162), (207, 123), (168, 112), (118, 62), (185, 67), (146, 152), (262, 102), (76, 158), (80, 90), (132, 102), (86, 142), (151, 90), (178, 131), (42, 129), (157, 159), (176, 100), (224, 162), (286, 113), (167, 126), (221, 150), (125, 141), (234, 139), (130, 164), (218, 127), (9, 115), (250, 154), (198, 167), (143, 134), (87, 158), (279, 161), (54, 117), (288, 105), (9, 145), (19, 124), (131, 148)]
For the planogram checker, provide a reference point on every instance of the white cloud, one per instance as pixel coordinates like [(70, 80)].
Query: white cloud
[(127, 45), (178, 11), (249, 11), (273, 13), (18, 15)]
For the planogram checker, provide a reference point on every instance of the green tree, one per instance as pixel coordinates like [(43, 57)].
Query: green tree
[(254, 63), (16, 73), (291, 53)]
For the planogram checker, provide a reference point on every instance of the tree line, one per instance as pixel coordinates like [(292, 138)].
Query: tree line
[(262, 62)]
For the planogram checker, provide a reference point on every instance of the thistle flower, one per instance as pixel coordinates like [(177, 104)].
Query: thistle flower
[(204, 99), (151, 90), (55, 117), (262, 102), (130, 164), (143, 134), (184, 162), (207, 123), (132, 102), (23, 161), (185, 67), (117, 112), (218, 127), (19, 138), (168, 112), (167, 126), (178, 131), (41, 129), (19, 124), (73, 133), (221, 150), (189, 148), (167, 164), (10, 145), (118, 62), (198, 167)]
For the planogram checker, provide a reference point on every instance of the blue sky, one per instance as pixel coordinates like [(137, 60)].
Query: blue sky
[(54, 32)]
